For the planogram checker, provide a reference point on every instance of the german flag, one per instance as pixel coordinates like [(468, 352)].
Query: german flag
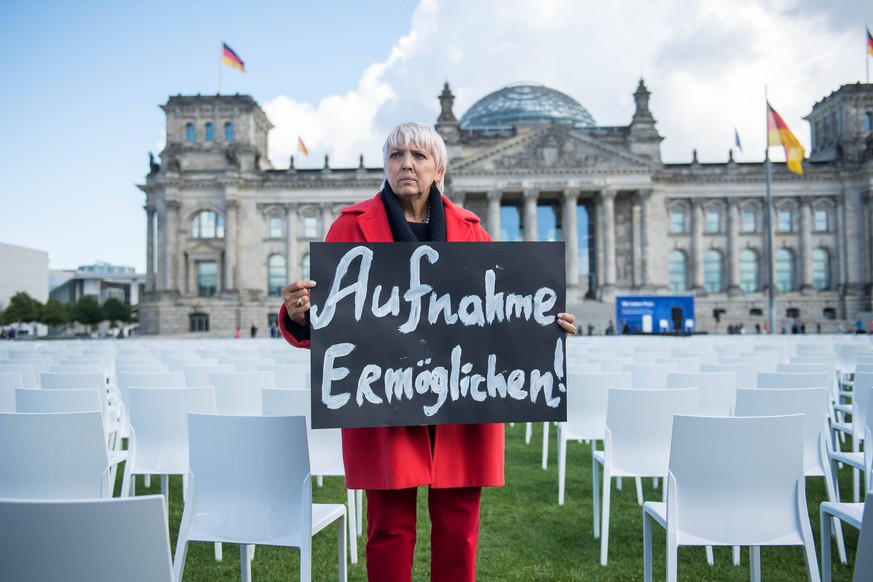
[(779, 134), (869, 43), (301, 147), (228, 57)]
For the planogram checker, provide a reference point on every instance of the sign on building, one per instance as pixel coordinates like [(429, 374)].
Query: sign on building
[(655, 313)]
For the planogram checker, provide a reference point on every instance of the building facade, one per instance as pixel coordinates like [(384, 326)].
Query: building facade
[(100, 281), (226, 230)]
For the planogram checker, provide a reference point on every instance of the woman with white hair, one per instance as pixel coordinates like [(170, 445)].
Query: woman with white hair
[(390, 463)]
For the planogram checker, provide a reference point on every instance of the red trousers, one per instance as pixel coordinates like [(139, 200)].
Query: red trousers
[(454, 516)]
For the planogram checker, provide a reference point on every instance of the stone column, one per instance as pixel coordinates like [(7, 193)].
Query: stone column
[(645, 196), (530, 214), (162, 263), (150, 247), (733, 254), (494, 197), (174, 252), (458, 198), (608, 201), (291, 243), (806, 247), (697, 222), (571, 242), (231, 248), (842, 278), (326, 220)]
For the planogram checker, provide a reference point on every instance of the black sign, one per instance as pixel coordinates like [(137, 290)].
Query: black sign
[(437, 333)]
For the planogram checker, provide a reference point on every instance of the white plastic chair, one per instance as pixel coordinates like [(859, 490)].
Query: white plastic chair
[(649, 376), (197, 374), (858, 409), (733, 482), (637, 441), (746, 373), (816, 437), (587, 395), (239, 392), (291, 376), (236, 497), (9, 381), (325, 451), (717, 390), (159, 433), (93, 540), (28, 376), (53, 455)]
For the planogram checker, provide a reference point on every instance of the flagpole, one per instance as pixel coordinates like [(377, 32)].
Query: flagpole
[(220, 65), (867, 50), (768, 223)]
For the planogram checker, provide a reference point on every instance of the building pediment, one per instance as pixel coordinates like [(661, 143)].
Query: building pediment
[(551, 148)]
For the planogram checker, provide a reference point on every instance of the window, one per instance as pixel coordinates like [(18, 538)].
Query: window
[(207, 224), (821, 220), (277, 275), (677, 221), (210, 132), (198, 322), (228, 131), (549, 221), (713, 221), (749, 278), (207, 278), (829, 313), (190, 134), (749, 220), (304, 266), (677, 271), (310, 226), (756, 312), (785, 270), (276, 227), (510, 223), (785, 220), (868, 121), (792, 313), (821, 269), (713, 271)]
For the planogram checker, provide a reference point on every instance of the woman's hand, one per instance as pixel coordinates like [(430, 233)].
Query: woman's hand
[(296, 296), (566, 320)]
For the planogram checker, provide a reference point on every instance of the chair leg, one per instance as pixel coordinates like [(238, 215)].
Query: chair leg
[(856, 474), (528, 432), (341, 544), (755, 563), (147, 481), (245, 563), (647, 546), (736, 553), (604, 527), (833, 497), (165, 490), (218, 552), (639, 483), (179, 558), (545, 445), (359, 507), (826, 560), (709, 557), (352, 513), (672, 562), (595, 471), (562, 463)]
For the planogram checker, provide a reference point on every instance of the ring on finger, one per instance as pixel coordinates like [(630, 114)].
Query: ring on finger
[(299, 301)]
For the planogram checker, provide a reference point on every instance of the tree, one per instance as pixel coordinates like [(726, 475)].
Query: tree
[(87, 311), (22, 309), (115, 311), (54, 313)]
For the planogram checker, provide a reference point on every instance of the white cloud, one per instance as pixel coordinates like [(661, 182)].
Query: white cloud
[(705, 63)]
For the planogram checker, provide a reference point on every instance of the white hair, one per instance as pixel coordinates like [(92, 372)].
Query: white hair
[(420, 135)]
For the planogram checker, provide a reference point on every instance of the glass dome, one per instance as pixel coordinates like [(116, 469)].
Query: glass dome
[(525, 103)]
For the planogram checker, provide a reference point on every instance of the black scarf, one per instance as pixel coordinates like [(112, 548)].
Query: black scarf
[(400, 229)]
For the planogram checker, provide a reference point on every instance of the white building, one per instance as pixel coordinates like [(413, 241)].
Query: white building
[(23, 269)]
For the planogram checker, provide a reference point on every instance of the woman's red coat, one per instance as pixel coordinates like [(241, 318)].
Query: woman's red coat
[(465, 455)]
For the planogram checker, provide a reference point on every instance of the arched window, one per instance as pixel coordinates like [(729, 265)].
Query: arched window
[(207, 224), (210, 132), (190, 135), (821, 269), (785, 270), (677, 271), (304, 266), (749, 279), (228, 131), (277, 275), (713, 271), (868, 121)]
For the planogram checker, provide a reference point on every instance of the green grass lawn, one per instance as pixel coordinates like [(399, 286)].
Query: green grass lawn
[(525, 535)]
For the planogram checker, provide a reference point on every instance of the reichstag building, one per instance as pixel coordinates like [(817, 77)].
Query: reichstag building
[(226, 230)]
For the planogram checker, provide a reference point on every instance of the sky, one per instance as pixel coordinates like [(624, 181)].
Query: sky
[(83, 82)]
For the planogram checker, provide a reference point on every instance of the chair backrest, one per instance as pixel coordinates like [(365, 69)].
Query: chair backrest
[(584, 368), (638, 428), (863, 571), (586, 404), (255, 499), (746, 373), (861, 395), (793, 380), (197, 374), (736, 480), (807, 401), (648, 376), (251, 380), (53, 455), (138, 368), (718, 390), (810, 367), (53, 400), (28, 376), (94, 540), (325, 444), (64, 381), (232, 397), (9, 381), (289, 375), (686, 364)]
